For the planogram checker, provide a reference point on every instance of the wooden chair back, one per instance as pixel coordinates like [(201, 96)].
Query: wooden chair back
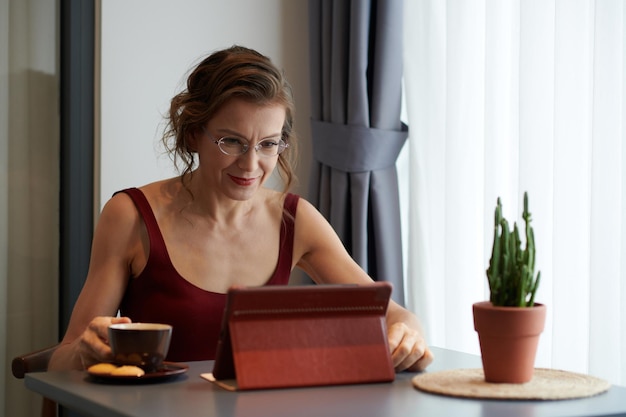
[(36, 361)]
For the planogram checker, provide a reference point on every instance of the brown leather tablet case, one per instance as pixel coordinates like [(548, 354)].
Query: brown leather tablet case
[(290, 336)]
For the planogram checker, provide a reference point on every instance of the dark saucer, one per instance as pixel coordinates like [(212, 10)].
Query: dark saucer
[(167, 371)]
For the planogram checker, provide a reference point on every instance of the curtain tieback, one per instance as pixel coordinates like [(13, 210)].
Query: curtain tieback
[(356, 148)]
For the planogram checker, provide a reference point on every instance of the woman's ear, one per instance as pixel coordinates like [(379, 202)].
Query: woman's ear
[(191, 141)]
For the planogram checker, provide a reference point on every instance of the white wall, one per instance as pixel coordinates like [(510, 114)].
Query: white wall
[(148, 47)]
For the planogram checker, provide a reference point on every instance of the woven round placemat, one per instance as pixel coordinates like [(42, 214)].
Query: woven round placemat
[(547, 384)]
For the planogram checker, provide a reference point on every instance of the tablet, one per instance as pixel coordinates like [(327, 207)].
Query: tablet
[(288, 336)]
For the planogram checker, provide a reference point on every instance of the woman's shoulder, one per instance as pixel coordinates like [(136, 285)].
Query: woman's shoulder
[(306, 213), (160, 194), (282, 199), (119, 211), (122, 202)]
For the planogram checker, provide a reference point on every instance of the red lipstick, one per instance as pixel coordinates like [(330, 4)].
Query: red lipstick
[(245, 182)]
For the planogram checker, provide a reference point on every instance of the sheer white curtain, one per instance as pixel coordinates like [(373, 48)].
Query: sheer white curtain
[(507, 96)]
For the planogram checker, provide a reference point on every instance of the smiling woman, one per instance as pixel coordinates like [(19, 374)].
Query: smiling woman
[(169, 251)]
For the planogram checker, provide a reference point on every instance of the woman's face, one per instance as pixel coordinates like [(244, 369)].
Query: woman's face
[(239, 176)]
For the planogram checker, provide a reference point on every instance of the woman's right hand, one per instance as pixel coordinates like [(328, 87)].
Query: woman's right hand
[(93, 345)]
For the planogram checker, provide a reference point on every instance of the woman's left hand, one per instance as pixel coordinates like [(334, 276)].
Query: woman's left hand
[(408, 348)]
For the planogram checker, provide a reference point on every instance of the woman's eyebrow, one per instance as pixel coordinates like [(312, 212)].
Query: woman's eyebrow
[(229, 132)]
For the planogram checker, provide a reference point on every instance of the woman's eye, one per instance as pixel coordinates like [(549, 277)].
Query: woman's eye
[(268, 144), (231, 142)]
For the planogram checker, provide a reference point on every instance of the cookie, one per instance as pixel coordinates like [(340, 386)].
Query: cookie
[(128, 370), (101, 369)]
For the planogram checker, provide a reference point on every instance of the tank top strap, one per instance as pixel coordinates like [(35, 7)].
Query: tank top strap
[(291, 204), (157, 244), (285, 256)]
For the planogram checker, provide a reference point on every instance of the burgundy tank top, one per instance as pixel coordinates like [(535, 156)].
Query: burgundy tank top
[(161, 295)]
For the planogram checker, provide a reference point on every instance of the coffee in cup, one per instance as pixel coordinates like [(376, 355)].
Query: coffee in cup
[(140, 344)]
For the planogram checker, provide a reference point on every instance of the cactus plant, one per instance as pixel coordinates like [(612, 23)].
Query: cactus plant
[(511, 268)]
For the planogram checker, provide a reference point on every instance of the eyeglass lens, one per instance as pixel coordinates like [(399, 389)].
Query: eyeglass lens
[(236, 146)]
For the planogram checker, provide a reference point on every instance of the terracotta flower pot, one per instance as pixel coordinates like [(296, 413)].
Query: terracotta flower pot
[(508, 340)]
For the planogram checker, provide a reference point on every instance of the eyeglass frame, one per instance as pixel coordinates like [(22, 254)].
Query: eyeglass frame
[(245, 145)]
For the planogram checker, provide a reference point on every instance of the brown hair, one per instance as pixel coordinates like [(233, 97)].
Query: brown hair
[(234, 72)]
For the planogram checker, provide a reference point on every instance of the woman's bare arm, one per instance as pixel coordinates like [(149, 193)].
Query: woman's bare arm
[(116, 241), (321, 254)]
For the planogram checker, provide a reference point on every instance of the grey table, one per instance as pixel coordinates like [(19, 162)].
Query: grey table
[(189, 396)]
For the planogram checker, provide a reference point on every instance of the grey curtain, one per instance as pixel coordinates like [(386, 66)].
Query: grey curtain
[(357, 135)]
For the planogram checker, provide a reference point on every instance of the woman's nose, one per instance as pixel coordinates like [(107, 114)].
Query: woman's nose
[(249, 161)]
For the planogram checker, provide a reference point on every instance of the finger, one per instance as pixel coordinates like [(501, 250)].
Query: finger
[(422, 363), (99, 326), (93, 349), (407, 351), (408, 348), (94, 345), (118, 320), (395, 334)]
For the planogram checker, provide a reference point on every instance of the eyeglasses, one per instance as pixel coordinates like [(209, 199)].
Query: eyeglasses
[(234, 146)]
